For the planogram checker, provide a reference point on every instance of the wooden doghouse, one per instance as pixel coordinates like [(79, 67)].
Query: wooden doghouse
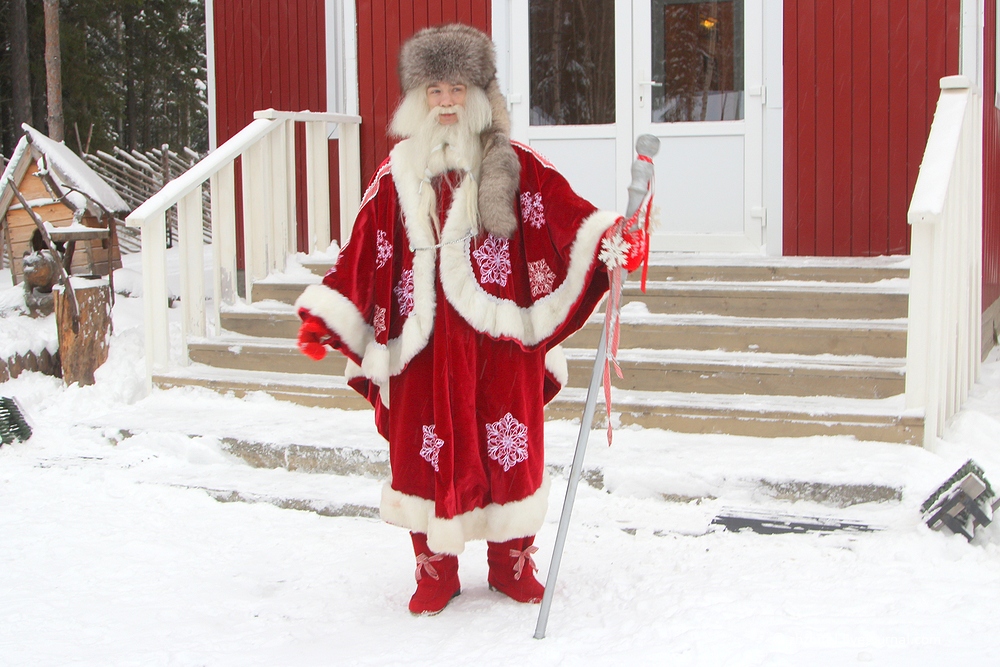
[(77, 207)]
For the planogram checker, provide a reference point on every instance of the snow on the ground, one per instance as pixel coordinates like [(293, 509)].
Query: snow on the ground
[(113, 552)]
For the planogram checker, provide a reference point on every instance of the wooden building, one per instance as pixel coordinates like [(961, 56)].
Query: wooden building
[(77, 207)]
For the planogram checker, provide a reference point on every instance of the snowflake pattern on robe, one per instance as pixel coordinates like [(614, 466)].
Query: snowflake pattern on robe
[(493, 258), (383, 249), (532, 211), (379, 320), (507, 441), (541, 278), (404, 293), (430, 450)]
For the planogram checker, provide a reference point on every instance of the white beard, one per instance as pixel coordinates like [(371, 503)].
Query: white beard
[(439, 148)]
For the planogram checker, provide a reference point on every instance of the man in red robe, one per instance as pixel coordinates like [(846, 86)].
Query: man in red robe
[(470, 261)]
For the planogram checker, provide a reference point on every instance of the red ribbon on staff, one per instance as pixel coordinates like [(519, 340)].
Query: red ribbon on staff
[(636, 234)]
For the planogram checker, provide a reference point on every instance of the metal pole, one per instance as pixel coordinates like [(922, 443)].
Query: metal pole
[(642, 173), (574, 480)]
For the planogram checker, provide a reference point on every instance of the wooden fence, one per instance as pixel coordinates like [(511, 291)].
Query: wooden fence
[(138, 176)]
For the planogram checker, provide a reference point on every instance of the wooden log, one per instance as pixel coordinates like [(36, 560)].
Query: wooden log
[(82, 352)]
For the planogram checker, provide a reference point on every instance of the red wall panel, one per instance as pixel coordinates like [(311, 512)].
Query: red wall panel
[(861, 82), (991, 163), (271, 54), (383, 26)]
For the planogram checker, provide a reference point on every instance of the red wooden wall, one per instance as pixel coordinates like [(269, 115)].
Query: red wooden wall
[(271, 54), (860, 85), (991, 163), (383, 26)]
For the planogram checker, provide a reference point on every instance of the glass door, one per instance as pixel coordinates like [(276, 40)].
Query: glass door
[(697, 72)]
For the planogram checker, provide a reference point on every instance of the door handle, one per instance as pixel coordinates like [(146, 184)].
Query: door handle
[(651, 84)]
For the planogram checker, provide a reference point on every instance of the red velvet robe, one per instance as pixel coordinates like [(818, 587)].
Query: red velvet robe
[(454, 341)]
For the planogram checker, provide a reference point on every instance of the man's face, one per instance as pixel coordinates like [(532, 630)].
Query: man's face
[(447, 96)]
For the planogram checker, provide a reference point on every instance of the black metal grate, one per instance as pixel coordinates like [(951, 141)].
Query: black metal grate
[(13, 425)]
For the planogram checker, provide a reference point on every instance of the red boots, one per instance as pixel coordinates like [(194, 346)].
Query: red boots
[(512, 571), (437, 579)]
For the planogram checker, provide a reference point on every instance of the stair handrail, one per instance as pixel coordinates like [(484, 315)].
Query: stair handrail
[(266, 150), (943, 345)]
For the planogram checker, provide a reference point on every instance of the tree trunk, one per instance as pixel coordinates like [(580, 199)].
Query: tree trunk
[(20, 74), (83, 351), (53, 70)]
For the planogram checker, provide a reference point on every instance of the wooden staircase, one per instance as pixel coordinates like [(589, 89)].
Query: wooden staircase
[(773, 347)]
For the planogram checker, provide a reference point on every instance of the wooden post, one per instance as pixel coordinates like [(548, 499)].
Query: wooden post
[(83, 352)]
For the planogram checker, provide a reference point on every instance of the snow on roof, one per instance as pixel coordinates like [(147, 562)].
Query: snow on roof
[(70, 170)]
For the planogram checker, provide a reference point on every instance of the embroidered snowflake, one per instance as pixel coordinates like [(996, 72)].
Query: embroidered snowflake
[(541, 278), (431, 447), (493, 258), (507, 442), (404, 293), (383, 248), (532, 211), (379, 320), (614, 250)]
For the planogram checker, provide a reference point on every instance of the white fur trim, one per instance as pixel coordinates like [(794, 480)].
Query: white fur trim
[(555, 363), (496, 523), (485, 312), (340, 315), (503, 318)]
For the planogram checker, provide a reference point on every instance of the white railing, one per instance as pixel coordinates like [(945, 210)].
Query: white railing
[(267, 149), (943, 353)]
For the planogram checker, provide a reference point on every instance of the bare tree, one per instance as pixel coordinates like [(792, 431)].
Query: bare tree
[(53, 70), (20, 74)]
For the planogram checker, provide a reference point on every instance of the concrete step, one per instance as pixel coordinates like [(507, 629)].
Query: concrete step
[(884, 420), (878, 338)]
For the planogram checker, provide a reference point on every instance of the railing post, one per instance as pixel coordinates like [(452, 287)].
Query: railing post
[(350, 177), (318, 181), (192, 264), (277, 182), (292, 233), (223, 186), (154, 292)]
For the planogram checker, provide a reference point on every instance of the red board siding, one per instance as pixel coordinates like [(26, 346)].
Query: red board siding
[(861, 81), (383, 26), (991, 163), (271, 54)]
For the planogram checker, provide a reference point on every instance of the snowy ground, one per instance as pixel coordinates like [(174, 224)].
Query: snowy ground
[(113, 553)]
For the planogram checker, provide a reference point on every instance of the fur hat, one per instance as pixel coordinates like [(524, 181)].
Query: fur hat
[(459, 53)]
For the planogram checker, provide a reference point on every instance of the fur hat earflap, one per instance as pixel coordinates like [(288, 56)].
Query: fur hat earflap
[(459, 53)]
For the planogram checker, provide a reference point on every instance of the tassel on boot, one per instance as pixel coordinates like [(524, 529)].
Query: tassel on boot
[(512, 571), (437, 579)]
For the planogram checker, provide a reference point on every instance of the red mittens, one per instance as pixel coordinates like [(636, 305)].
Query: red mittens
[(314, 335)]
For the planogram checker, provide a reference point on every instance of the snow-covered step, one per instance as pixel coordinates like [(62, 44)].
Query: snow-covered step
[(689, 266), (887, 299), (874, 337), (792, 299), (885, 420), (715, 372)]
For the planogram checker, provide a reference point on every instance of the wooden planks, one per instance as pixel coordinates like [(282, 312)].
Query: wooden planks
[(861, 81)]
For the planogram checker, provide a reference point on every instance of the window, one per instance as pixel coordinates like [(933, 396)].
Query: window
[(572, 50), (697, 60)]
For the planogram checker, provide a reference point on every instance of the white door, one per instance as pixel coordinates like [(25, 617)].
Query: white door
[(698, 69), (584, 79)]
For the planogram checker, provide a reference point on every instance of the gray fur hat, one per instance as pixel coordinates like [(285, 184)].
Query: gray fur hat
[(459, 53)]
